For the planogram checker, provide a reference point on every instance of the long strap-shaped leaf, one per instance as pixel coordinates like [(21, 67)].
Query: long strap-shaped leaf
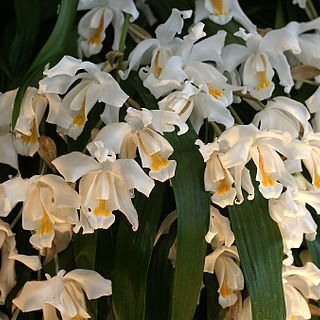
[(193, 213), (260, 248), (133, 255), (51, 51), (314, 246)]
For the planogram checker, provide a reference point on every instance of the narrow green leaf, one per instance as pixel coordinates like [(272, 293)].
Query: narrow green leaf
[(314, 246), (133, 255), (26, 31), (160, 280), (193, 213), (260, 248), (84, 250), (51, 51)]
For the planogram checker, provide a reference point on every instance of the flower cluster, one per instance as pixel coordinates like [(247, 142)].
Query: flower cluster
[(195, 80)]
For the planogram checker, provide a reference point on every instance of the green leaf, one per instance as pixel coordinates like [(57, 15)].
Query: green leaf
[(193, 215), (133, 255), (84, 250), (314, 246), (52, 50), (260, 248), (28, 17)]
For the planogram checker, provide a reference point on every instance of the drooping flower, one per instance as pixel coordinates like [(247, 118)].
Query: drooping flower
[(283, 114), (157, 51), (294, 219), (300, 283), (221, 260), (184, 61), (48, 203), (140, 132), (206, 97), (308, 42), (106, 185), (259, 57), (95, 86), (266, 149), (93, 24), (64, 292), (224, 185), (8, 153), (9, 255)]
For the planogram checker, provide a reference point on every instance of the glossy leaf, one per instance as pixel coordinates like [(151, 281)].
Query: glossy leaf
[(52, 50), (314, 246), (260, 248), (133, 255), (192, 204)]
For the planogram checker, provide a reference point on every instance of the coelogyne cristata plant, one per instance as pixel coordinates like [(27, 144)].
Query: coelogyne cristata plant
[(160, 160)]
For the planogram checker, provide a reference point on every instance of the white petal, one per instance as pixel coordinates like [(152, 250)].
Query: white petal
[(74, 165), (93, 284)]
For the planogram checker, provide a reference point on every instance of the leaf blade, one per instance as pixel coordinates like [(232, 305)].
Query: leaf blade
[(193, 216), (260, 248)]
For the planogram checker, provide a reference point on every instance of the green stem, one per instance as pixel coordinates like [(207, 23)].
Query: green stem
[(235, 115), (311, 10), (15, 315), (56, 263), (16, 219), (122, 42)]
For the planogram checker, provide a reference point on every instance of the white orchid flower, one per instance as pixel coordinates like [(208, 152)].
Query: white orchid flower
[(64, 292), (313, 104), (157, 51), (221, 12), (187, 54), (229, 275), (93, 24), (209, 103), (312, 140), (224, 184), (9, 255), (301, 3), (105, 186), (140, 131), (265, 148), (219, 232), (308, 42), (300, 283), (259, 57), (24, 141), (221, 260), (48, 201), (8, 153), (95, 86), (283, 114), (33, 107), (294, 219)]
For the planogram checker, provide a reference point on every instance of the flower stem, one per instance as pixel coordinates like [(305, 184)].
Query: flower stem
[(235, 115), (122, 42), (15, 315), (311, 10), (16, 219)]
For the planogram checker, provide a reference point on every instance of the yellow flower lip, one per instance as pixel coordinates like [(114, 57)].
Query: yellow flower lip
[(95, 39), (80, 118), (267, 181), (101, 210), (219, 9)]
